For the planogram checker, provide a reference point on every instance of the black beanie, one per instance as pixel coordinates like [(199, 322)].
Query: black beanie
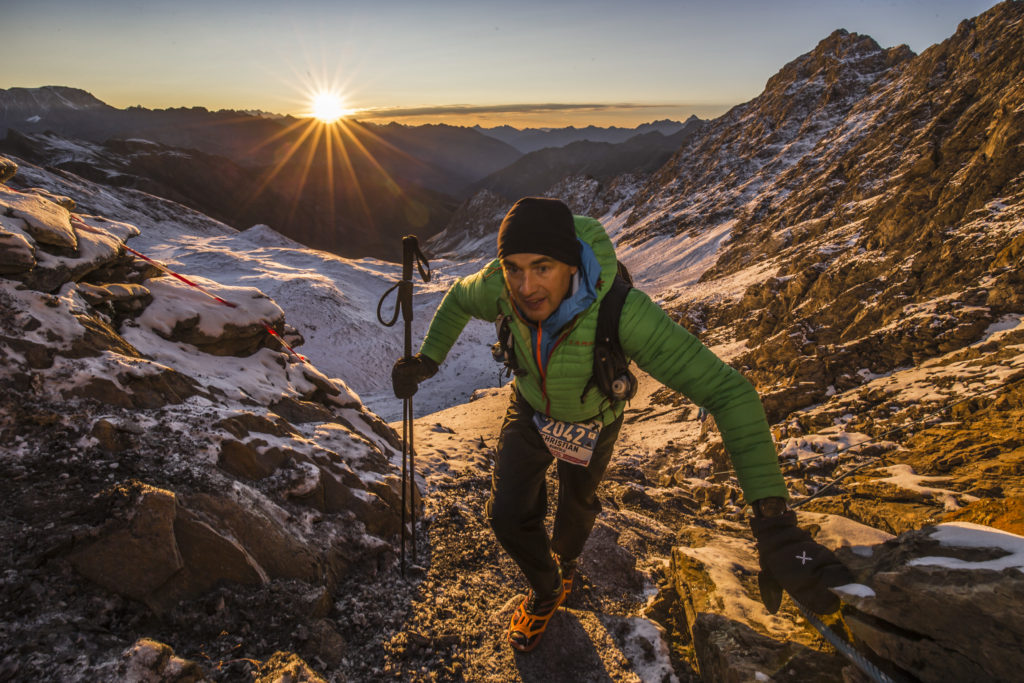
[(538, 225)]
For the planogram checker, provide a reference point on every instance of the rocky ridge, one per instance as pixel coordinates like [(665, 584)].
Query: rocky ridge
[(159, 445), (860, 175)]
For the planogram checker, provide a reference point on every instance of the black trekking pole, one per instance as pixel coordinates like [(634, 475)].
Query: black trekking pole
[(410, 252)]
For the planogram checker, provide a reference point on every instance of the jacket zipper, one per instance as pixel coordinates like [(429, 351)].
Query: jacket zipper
[(540, 366), (544, 376)]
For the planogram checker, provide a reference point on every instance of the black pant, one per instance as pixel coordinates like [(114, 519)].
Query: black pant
[(518, 501)]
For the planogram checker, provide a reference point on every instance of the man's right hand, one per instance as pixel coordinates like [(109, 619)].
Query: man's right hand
[(408, 372)]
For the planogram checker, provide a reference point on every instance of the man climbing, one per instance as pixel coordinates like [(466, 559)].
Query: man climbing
[(552, 271)]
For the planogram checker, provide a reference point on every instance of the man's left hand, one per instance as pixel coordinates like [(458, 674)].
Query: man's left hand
[(791, 559), (408, 372)]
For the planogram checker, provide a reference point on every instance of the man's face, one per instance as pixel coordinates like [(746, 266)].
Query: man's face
[(538, 283)]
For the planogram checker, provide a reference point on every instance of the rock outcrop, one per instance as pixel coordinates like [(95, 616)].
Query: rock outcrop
[(163, 432), (942, 603)]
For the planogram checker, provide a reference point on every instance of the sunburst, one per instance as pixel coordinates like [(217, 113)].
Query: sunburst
[(328, 106)]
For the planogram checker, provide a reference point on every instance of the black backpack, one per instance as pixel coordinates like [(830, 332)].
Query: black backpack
[(611, 371)]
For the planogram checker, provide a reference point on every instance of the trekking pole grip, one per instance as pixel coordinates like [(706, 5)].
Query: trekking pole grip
[(411, 253)]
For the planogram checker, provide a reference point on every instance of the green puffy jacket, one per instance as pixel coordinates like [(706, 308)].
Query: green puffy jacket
[(654, 341)]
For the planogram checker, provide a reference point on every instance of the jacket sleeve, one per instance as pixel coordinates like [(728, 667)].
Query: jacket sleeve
[(677, 359), (475, 296)]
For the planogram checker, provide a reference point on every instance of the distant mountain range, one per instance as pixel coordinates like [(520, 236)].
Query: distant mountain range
[(531, 139), (355, 191), (535, 172)]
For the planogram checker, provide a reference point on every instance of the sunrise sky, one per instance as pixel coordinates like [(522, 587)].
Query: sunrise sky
[(526, 63)]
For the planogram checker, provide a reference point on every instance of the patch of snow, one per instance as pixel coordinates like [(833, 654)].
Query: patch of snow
[(827, 444), (856, 590), (1005, 323), (903, 476), (175, 302), (675, 260), (967, 535), (648, 652)]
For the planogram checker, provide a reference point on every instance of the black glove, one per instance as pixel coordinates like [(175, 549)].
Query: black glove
[(791, 559), (408, 372)]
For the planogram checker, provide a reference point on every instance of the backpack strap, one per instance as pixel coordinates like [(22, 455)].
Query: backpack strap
[(502, 350), (611, 371)]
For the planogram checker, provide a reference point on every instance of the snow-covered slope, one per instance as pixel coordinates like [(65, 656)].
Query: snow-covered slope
[(331, 301)]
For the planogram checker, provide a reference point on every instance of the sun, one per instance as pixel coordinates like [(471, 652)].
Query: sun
[(329, 106)]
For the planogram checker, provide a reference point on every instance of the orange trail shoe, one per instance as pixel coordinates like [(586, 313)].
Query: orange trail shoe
[(531, 618)]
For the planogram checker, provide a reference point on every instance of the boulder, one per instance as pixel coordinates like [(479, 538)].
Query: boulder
[(208, 558), (182, 313), (279, 553), (944, 603), (718, 574), (46, 222), (140, 390), (243, 423), (301, 412), (112, 437), (93, 250), (139, 554), (58, 199), (158, 552), (251, 460)]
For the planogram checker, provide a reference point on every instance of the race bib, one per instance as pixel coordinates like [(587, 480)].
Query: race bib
[(568, 441)]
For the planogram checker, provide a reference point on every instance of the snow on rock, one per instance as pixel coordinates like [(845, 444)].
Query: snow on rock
[(183, 313), (967, 535), (95, 248), (729, 650), (854, 590), (715, 577), (47, 222)]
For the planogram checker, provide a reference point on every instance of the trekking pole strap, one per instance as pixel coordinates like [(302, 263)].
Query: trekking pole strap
[(398, 307)]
